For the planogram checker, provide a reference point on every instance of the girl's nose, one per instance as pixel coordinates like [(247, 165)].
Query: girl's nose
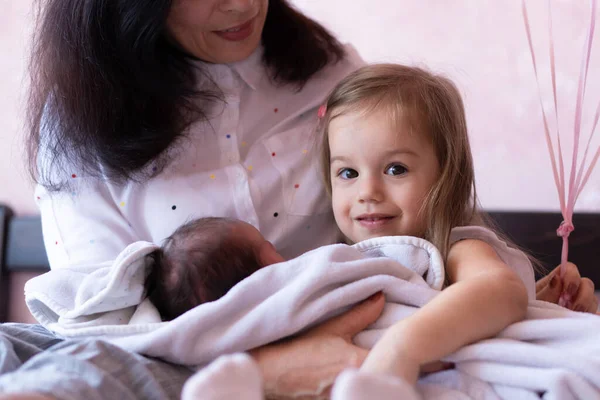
[(370, 190)]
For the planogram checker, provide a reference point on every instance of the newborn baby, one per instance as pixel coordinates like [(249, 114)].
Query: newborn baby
[(202, 260)]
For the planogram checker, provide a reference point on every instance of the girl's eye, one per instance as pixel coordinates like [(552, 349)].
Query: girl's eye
[(347, 173), (396, 169)]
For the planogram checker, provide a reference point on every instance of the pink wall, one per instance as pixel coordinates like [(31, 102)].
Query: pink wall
[(15, 27), (482, 45)]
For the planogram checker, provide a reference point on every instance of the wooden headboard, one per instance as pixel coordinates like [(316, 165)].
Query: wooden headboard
[(22, 247)]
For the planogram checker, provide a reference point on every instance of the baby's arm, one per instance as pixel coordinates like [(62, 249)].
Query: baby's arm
[(484, 297)]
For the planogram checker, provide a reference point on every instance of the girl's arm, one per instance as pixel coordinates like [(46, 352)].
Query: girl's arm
[(484, 297)]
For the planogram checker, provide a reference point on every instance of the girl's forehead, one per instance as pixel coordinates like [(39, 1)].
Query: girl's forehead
[(374, 123), (376, 136), (399, 115)]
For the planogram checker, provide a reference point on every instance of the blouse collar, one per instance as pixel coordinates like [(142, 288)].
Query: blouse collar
[(251, 70)]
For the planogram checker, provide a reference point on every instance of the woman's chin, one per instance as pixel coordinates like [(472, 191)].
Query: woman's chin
[(231, 52)]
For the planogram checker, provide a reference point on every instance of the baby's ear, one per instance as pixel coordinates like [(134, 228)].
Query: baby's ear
[(268, 255)]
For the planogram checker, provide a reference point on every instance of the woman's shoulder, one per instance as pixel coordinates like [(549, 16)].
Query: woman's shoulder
[(353, 57), (335, 72), (316, 89)]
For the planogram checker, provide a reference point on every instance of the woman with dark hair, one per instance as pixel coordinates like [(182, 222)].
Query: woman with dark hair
[(144, 114)]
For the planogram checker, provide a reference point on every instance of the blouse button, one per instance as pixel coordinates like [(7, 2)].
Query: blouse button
[(230, 156)]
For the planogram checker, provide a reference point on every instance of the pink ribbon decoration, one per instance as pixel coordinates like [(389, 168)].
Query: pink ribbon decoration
[(322, 111), (578, 175)]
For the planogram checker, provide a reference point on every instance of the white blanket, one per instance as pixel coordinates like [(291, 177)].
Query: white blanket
[(554, 351)]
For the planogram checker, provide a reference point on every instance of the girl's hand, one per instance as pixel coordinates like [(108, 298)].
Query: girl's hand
[(578, 292), (306, 366), (390, 362)]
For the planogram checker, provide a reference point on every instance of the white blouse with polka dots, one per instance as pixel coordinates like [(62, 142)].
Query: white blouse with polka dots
[(254, 160)]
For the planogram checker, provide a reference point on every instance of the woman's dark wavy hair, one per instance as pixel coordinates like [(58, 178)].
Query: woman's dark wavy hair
[(110, 93)]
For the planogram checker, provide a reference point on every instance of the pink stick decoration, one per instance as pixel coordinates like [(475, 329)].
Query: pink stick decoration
[(589, 171), (578, 176), (557, 181), (577, 130), (581, 184), (561, 188)]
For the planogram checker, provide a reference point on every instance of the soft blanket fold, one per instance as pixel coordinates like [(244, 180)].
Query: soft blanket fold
[(273, 303), (554, 351)]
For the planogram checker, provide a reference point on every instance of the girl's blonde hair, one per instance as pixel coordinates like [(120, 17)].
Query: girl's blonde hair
[(432, 105)]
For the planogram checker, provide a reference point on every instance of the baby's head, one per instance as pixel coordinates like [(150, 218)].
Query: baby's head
[(202, 260), (396, 155)]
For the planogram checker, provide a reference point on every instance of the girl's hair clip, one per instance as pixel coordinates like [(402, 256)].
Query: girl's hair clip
[(322, 111)]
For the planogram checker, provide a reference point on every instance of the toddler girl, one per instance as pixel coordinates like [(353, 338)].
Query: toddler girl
[(397, 161)]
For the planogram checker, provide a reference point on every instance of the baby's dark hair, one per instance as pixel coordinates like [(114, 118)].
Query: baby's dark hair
[(200, 262)]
